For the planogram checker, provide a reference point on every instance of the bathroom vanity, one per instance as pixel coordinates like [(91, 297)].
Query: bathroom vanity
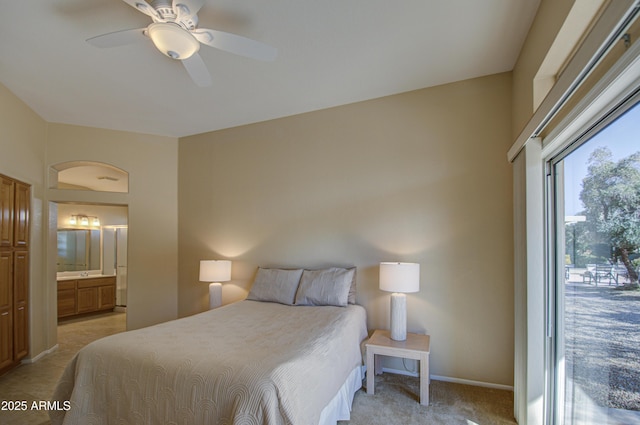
[(85, 294)]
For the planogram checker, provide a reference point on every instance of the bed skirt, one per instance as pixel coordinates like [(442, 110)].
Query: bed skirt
[(339, 408)]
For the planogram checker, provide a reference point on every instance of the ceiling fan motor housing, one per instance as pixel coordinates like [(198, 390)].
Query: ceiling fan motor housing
[(177, 12)]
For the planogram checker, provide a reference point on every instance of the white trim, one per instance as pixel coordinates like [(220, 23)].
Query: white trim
[(471, 382), (595, 45), (529, 313), (450, 379), (534, 273), (41, 355)]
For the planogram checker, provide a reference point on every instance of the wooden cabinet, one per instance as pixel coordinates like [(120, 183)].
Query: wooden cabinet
[(15, 199), (7, 193), (21, 215), (21, 304), (107, 296), (87, 300), (86, 295), (67, 304), (6, 309)]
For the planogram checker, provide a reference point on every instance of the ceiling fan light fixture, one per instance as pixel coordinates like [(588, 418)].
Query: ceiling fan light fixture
[(173, 40)]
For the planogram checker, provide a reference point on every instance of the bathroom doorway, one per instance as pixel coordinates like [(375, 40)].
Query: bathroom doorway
[(91, 259)]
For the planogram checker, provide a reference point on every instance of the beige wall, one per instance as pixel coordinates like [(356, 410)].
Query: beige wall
[(152, 205), (22, 139), (29, 145), (547, 24), (417, 177)]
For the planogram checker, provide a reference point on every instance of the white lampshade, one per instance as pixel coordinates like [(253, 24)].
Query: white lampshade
[(173, 40), (215, 270), (400, 277)]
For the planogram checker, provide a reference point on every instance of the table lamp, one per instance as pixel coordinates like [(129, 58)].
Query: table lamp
[(399, 278), (215, 271)]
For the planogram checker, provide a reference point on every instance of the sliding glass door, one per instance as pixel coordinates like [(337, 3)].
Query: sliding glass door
[(593, 295)]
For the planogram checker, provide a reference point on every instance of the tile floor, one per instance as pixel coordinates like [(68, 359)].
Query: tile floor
[(36, 381)]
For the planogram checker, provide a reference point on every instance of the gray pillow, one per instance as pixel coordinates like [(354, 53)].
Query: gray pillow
[(352, 289), (325, 287), (275, 285)]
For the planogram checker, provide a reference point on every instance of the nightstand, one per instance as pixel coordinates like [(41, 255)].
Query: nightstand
[(415, 347)]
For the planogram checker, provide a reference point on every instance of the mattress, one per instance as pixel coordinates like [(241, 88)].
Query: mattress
[(249, 362)]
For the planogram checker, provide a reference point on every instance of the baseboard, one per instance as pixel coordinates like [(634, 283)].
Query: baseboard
[(41, 355), (449, 379), (471, 382)]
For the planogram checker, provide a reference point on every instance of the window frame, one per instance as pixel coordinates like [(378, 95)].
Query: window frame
[(594, 118)]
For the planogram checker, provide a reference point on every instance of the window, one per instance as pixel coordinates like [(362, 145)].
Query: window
[(596, 350)]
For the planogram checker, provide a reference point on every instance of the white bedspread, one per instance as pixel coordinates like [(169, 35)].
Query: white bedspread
[(246, 363)]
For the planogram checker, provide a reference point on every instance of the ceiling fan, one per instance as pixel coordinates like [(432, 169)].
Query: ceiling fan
[(175, 33)]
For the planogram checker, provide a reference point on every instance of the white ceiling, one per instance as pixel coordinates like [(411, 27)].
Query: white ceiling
[(331, 52)]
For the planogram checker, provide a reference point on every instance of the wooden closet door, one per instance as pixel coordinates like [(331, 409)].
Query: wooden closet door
[(22, 200), (6, 212), (20, 304), (6, 308)]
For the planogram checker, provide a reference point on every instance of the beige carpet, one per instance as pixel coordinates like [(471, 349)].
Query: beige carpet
[(395, 400)]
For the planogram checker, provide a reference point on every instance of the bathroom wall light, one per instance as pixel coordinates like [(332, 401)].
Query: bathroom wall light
[(84, 220)]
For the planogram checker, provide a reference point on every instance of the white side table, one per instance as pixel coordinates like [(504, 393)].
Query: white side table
[(415, 347)]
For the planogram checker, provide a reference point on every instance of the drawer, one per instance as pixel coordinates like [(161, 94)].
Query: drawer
[(99, 281), (66, 284)]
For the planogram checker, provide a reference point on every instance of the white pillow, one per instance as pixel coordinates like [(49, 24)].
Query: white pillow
[(275, 285), (325, 287)]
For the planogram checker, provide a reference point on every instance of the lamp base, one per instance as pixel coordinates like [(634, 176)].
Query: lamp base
[(215, 295), (398, 316)]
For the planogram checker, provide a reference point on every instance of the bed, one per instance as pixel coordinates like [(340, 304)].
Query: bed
[(274, 358)]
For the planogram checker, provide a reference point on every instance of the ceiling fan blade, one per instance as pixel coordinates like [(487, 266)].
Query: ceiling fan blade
[(235, 44), (143, 7), (197, 70), (118, 38), (187, 8)]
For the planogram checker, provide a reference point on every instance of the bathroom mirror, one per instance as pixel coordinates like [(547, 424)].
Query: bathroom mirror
[(78, 250)]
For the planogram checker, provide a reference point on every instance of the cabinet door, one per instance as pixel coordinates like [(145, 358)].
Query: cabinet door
[(6, 309), (107, 297), (22, 200), (66, 302), (21, 277), (6, 338), (6, 211), (87, 299), (20, 304), (6, 280), (21, 332)]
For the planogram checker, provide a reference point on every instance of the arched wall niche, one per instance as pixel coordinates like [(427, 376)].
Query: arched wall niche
[(88, 175)]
